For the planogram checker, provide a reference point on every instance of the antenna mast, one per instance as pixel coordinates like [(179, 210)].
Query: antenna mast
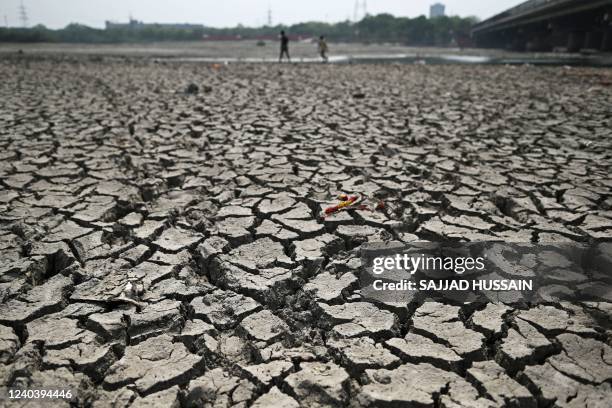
[(361, 10), (23, 15)]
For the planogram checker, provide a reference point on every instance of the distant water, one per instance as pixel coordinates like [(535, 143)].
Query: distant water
[(438, 59)]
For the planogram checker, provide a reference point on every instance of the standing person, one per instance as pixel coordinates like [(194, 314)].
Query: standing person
[(284, 46), (323, 48)]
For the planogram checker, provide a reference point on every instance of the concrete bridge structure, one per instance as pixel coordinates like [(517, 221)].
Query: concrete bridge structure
[(547, 25)]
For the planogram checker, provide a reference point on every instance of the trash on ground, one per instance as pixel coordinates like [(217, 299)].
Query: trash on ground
[(354, 202)]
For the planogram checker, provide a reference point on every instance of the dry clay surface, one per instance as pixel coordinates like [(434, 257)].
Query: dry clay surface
[(164, 248)]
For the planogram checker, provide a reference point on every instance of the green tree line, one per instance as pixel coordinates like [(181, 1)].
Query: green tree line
[(439, 31)]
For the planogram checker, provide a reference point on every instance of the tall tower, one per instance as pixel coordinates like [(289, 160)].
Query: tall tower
[(360, 10), (23, 15), (269, 16)]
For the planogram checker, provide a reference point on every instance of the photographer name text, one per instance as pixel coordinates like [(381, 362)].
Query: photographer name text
[(460, 284)]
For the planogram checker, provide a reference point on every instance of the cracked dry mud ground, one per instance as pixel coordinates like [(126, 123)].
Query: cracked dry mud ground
[(208, 205)]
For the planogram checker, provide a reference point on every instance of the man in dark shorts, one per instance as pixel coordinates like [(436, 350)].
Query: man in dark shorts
[(284, 46)]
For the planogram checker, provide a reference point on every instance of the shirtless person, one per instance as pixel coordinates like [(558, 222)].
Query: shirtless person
[(284, 47)]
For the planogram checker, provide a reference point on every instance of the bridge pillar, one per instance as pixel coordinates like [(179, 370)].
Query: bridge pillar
[(575, 41), (606, 40), (592, 40)]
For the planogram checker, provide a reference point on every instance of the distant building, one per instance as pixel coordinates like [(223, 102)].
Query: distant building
[(135, 24), (436, 10)]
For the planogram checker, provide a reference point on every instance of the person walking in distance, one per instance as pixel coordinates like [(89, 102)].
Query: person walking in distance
[(323, 48), (284, 47)]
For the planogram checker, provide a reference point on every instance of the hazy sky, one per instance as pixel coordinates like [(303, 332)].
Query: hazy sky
[(223, 13)]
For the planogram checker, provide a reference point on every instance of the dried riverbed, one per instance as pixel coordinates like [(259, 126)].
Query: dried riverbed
[(159, 246)]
